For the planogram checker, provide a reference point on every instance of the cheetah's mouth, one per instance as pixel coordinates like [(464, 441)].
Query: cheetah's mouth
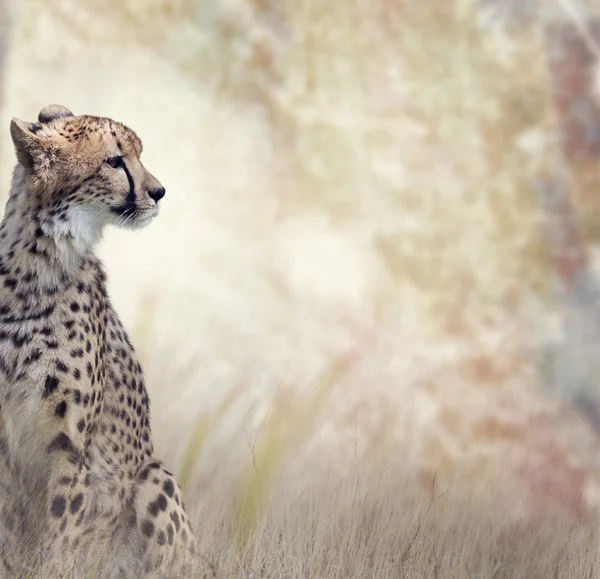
[(126, 211), (132, 215)]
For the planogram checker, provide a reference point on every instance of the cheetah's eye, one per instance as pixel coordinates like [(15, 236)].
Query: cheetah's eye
[(114, 162)]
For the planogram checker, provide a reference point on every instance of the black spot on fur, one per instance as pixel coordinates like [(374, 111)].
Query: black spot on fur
[(76, 503), (61, 366), (175, 518), (162, 502), (61, 409), (147, 527), (19, 340), (50, 385), (59, 504), (63, 443), (33, 356), (169, 488)]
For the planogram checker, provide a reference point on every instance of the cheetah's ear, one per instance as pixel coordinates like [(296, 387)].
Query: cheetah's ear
[(25, 140), (53, 112)]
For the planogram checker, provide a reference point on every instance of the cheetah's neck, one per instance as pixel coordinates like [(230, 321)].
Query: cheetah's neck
[(48, 247)]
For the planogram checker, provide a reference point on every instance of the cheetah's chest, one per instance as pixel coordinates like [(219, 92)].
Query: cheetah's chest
[(51, 368)]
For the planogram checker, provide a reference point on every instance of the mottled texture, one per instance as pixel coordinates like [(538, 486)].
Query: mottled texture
[(75, 423)]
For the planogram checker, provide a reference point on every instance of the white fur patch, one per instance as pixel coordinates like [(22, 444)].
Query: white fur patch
[(76, 236)]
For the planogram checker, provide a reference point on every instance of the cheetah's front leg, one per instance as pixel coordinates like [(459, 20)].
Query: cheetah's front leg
[(67, 491), (156, 527)]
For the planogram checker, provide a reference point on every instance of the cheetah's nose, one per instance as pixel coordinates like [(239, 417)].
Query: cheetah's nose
[(157, 194)]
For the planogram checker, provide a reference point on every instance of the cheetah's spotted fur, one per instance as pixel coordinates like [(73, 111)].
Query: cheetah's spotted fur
[(74, 412)]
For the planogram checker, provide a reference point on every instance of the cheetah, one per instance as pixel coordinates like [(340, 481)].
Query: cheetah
[(78, 471)]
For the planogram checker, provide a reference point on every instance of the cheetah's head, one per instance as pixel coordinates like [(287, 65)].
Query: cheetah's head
[(84, 172)]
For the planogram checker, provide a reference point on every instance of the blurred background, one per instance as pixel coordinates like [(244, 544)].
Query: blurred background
[(374, 285)]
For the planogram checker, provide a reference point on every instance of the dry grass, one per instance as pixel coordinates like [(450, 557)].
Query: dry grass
[(357, 289), (374, 525), (274, 515)]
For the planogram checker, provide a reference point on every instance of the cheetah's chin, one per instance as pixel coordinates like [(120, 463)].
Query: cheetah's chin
[(142, 220)]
